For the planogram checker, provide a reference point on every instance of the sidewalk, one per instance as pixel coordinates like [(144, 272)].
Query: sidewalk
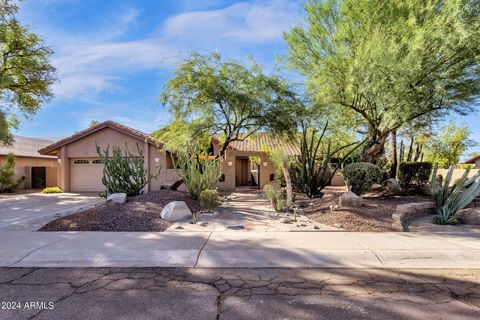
[(237, 249)]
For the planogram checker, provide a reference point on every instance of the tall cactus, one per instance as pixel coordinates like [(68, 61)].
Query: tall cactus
[(450, 200), (124, 173)]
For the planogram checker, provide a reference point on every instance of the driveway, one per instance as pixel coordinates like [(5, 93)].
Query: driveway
[(29, 211)]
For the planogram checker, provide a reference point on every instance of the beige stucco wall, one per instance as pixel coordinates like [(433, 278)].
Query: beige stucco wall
[(457, 174), (477, 164), (23, 167)]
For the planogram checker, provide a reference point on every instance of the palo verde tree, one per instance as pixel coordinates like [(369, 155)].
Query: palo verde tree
[(26, 75), (387, 63), (447, 147), (228, 98)]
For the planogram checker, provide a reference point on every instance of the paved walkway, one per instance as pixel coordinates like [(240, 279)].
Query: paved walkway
[(153, 293), (235, 249), (30, 211), (248, 210)]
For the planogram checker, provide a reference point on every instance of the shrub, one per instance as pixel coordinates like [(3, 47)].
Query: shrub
[(414, 174), (361, 176), (52, 190), (276, 196), (208, 199), (449, 200), (8, 184)]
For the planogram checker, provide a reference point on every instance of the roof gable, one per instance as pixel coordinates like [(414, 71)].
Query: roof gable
[(107, 124)]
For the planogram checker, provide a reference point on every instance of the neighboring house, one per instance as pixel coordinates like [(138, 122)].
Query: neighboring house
[(475, 161), (39, 170), (80, 168)]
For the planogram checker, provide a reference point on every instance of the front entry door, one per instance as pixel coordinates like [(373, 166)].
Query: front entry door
[(39, 177), (242, 172)]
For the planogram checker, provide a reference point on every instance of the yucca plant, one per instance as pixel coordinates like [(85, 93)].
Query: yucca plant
[(450, 200)]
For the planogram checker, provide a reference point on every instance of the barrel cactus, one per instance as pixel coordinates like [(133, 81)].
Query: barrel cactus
[(450, 200)]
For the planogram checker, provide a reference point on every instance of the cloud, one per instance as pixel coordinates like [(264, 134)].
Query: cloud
[(260, 21), (90, 62)]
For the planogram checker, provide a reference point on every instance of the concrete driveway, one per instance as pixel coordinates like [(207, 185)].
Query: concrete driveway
[(29, 211)]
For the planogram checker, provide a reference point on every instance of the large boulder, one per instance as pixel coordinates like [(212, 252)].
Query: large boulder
[(392, 185), (349, 199), (117, 198), (176, 211), (469, 216)]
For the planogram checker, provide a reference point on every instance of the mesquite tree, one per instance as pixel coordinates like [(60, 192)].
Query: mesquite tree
[(388, 63), (124, 172)]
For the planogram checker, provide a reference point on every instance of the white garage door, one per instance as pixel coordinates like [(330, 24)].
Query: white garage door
[(86, 175)]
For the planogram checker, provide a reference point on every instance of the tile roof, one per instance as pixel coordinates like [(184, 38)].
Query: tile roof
[(107, 124), (473, 160), (26, 147), (260, 140)]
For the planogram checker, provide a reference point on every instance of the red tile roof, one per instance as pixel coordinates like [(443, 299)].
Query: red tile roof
[(261, 140)]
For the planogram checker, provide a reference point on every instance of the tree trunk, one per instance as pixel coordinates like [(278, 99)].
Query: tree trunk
[(393, 168), (375, 148), (288, 182), (176, 185)]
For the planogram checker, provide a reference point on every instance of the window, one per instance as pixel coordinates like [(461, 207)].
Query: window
[(81, 161), (272, 176), (97, 161)]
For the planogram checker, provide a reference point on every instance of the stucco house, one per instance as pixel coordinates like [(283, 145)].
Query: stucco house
[(475, 161), (39, 170), (80, 168)]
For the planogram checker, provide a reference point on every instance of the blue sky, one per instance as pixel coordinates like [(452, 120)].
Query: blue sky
[(114, 57)]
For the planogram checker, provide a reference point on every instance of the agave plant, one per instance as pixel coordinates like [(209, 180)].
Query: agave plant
[(450, 200)]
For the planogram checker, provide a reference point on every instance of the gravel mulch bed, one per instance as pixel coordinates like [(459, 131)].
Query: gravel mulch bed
[(140, 213), (374, 216)]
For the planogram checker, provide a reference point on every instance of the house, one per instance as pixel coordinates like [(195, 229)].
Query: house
[(80, 169), (39, 170), (475, 161)]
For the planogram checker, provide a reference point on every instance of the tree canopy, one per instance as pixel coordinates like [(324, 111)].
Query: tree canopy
[(26, 75), (385, 64), (229, 98), (445, 148)]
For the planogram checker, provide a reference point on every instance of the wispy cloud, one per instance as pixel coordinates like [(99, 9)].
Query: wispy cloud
[(94, 61)]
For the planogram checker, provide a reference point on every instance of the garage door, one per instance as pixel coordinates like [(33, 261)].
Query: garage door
[(86, 175)]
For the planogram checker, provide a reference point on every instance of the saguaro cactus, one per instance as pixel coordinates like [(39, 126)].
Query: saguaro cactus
[(450, 200)]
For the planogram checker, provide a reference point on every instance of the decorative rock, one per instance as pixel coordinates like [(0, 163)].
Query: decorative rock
[(316, 227), (349, 199), (236, 227), (117, 198), (176, 211), (285, 220), (202, 223), (179, 227), (469, 216), (392, 185), (338, 225)]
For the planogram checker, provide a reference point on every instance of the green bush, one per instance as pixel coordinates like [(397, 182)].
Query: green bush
[(413, 175), (52, 190), (276, 196), (361, 176), (8, 184), (208, 199)]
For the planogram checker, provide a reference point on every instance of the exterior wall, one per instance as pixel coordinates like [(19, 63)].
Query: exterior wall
[(229, 171), (23, 169), (457, 174), (86, 148), (477, 164)]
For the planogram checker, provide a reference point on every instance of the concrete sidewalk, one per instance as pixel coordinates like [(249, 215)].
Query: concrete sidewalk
[(237, 249)]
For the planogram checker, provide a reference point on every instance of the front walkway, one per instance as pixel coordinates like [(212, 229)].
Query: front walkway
[(248, 210), (237, 249)]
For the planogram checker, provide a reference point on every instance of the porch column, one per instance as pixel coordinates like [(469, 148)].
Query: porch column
[(64, 170)]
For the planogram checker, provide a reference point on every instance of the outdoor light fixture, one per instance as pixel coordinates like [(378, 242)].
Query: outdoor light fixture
[(229, 163), (265, 164), (157, 160), (59, 160)]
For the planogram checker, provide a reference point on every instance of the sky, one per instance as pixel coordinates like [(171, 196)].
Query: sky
[(114, 57)]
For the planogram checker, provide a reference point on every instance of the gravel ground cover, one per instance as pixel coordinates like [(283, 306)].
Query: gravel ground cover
[(140, 213)]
